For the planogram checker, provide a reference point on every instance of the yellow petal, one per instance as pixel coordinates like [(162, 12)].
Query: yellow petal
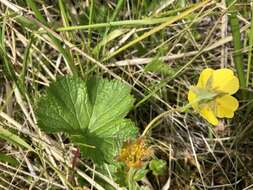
[(225, 81), (225, 106), (208, 114), (204, 77)]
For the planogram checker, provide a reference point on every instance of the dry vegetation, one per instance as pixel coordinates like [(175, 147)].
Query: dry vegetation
[(42, 40)]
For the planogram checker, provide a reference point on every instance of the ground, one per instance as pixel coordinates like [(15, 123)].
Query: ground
[(158, 50)]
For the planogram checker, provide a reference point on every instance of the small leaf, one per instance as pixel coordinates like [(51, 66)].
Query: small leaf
[(133, 176), (158, 167), (91, 112), (160, 67)]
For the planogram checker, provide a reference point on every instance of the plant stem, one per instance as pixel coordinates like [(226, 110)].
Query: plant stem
[(151, 124)]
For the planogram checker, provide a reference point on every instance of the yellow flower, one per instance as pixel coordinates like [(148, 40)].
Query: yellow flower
[(135, 153), (211, 97)]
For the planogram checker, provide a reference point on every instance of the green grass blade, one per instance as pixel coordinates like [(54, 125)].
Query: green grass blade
[(90, 22), (66, 53), (109, 37), (235, 28), (105, 36), (9, 159), (13, 139), (117, 9), (25, 62), (159, 28), (250, 50), (122, 23), (36, 11), (63, 13), (8, 67), (250, 95)]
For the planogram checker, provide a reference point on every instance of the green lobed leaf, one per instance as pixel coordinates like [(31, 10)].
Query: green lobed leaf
[(158, 167), (91, 112)]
